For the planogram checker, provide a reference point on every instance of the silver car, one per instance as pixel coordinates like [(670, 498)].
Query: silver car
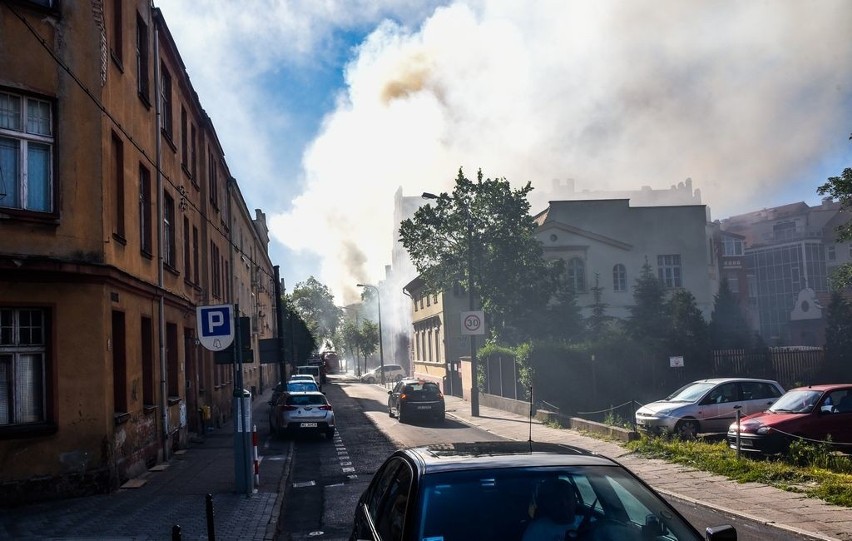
[(707, 406), (303, 412)]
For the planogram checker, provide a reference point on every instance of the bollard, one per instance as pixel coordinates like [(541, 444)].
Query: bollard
[(211, 528), (176, 533), (256, 460), (739, 416)]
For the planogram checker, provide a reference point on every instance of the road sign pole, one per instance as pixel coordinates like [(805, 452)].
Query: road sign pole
[(242, 417)]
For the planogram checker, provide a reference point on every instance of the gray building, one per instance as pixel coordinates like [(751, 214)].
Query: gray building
[(612, 240), (790, 253)]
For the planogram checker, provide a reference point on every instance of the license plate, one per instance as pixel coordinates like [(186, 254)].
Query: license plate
[(424, 407), (745, 443), (307, 425)]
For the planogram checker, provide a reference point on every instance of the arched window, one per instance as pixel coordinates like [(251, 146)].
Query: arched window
[(577, 274), (619, 278)]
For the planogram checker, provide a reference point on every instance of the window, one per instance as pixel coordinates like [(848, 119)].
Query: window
[(619, 278), (118, 186), (23, 352), (142, 83), (831, 253), (214, 270), (732, 246), (117, 34), (186, 247), (119, 363), (577, 274), (184, 140), (26, 153), (166, 102), (213, 180), (669, 271), (784, 230), (193, 159), (147, 338), (145, 235), (169, 247), (195, 255), (172, 360), (733, 282)]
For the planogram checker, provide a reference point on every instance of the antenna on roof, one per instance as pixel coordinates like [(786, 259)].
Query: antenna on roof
[(531, 416)]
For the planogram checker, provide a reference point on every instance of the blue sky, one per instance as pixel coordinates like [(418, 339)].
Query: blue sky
[(326, 108)]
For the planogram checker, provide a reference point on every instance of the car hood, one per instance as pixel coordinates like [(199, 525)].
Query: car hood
[(768, 418), (662, 405)]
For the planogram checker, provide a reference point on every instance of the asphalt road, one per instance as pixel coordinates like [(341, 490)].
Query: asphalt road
[(329, 476)]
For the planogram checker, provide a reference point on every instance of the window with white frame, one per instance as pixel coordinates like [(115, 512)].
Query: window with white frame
[(732, 246), (23, 347), (26, 153), (619, 278), (577, 274), (669, 270)]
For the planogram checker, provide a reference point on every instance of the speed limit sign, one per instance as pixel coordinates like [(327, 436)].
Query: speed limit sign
[(473, 322)]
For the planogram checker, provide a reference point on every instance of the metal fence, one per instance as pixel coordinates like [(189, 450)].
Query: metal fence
[(790, 366)]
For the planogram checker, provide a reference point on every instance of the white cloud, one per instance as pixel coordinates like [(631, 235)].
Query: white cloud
[(747, 98)]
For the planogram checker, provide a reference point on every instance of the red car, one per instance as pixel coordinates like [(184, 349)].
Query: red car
[(817, 413)]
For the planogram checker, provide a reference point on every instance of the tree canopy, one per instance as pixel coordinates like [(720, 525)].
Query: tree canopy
[(485, 227), (315, 304), (728, 326), (839, 188)]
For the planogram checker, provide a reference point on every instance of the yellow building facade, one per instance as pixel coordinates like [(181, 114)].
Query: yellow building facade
[(118, 218)]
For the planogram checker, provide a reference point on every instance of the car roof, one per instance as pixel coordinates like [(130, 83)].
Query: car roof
[(439, 458), (727, 380), (822, 387)]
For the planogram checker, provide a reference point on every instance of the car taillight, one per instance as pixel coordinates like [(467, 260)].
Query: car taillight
[(403, 396), (326, 408)]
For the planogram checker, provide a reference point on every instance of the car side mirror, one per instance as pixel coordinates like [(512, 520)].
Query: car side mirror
[(721, 533)]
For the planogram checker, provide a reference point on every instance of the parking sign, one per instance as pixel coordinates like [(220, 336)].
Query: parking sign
[(215, 326)]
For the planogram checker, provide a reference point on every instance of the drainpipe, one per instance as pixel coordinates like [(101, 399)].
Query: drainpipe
[(162, 308)]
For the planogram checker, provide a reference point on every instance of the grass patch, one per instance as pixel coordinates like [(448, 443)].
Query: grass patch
[(809, 469)]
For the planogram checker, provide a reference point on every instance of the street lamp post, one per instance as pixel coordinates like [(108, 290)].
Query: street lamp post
[(474, 384), (381, 349)]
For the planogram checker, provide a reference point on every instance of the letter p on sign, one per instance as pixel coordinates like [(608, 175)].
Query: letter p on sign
[(215, 326)]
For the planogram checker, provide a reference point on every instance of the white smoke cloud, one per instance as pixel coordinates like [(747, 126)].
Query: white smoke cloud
[(749, 99)]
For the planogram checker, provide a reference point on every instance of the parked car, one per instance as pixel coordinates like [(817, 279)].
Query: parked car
[(305, 377), (315, 370), (412, 397), (707, 405), (393, 372), (304, 412), (815, 413), (499, 489), (291, 386)]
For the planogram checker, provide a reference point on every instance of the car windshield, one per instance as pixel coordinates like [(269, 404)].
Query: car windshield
[(306, 400), (301, 387), (690, 393), (802, 401), (500, 503)]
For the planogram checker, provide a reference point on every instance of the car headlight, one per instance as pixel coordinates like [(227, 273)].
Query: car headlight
[(763, 430)]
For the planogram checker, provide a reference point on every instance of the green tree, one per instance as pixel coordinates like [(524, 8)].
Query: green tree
[(648, 323), (838, 339), (483, 226), (728, 326), (839, 188), (598, 320), (688, 334), (315, 304), (299, 340), (368, 339)]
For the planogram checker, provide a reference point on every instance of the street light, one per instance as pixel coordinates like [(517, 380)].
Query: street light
[(474, 387), (381, 349)]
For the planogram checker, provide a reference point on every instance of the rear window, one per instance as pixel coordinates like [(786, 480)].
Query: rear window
[(301, 387), (306, 400), (426, 388)]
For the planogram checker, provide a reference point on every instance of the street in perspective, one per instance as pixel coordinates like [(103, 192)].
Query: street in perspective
[(426, 271)]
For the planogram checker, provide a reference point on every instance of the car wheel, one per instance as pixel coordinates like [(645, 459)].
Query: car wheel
[(330, 433), (402, 418), (687, 429), (390, 410), (371, 380)]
